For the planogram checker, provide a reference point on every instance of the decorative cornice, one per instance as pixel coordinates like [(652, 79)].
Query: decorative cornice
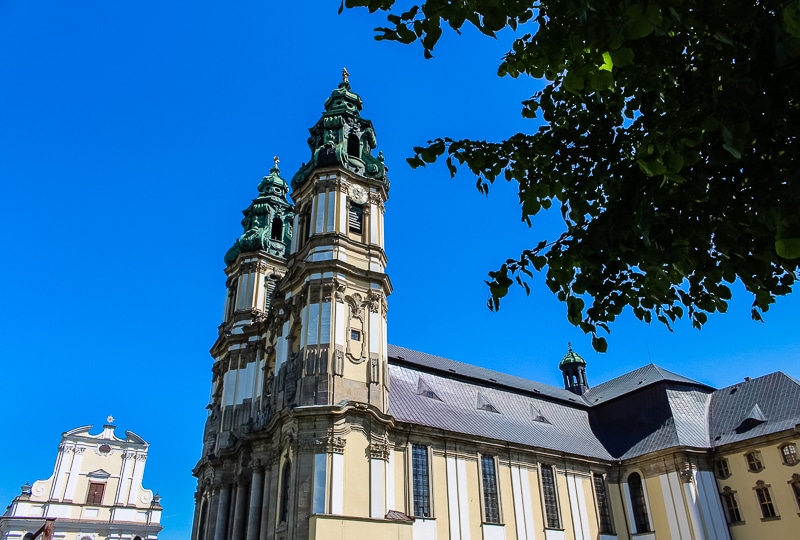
[(379, 451)]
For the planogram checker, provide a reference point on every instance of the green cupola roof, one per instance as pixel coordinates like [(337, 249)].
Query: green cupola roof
[(342, 137), (571, 359), (267, 221)]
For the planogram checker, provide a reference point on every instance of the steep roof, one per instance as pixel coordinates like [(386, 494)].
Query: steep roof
[(468, 407), (646, 410), (459, 370), (749, 409), (633, 380)]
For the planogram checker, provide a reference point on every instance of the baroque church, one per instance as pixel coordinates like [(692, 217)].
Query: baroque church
[(318, 429)]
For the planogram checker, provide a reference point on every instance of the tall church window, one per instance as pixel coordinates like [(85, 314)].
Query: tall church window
[(95, 495), (421, 481), (356, 218), (286, 478), (603, 507), (731, 505), (789, 454), (551, 511), (795, 485), (765, 503), (277, 228), (491, 504), (754, 461), (638, 503)]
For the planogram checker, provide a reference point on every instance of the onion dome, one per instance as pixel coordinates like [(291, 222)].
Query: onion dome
[(267, 221), (342, 137)]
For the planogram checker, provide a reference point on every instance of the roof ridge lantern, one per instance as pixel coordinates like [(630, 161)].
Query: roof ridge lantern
[(342, 137), (267, 221), (573, 367)]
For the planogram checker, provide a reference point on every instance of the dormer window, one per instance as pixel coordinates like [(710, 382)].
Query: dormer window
[(356, 218)]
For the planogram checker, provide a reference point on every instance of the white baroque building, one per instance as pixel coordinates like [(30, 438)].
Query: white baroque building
[(94, 493)]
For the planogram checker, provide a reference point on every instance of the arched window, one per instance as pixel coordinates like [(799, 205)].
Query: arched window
[(353, 146), (754, 461), (277, 228), (285, 481), (789, 454), (638, 503)]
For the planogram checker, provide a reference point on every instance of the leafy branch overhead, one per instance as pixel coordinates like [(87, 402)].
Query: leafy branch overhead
[(669, 143)]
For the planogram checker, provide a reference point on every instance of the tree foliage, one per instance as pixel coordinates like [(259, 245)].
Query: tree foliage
[(669, 143)]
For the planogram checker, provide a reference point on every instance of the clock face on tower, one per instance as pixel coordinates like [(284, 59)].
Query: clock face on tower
[(358, 194)]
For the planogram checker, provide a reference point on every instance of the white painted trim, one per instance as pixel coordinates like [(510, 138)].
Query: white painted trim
[(377, 489), (710, 506), (390, 482), (337, 484), (463, 501), (577, 507), (670, 508), (452, 499)]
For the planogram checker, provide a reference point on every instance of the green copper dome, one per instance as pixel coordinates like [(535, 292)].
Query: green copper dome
[(342, 137), (267, 221), (571, 358)]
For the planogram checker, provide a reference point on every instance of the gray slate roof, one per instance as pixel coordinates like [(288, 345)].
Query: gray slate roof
[(777, 396), (643, 411), (638, 378)]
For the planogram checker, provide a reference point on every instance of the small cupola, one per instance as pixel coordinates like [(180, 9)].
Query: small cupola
[(573, 367)]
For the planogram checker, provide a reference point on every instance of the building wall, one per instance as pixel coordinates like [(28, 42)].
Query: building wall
[(776, 476), (125, 510)]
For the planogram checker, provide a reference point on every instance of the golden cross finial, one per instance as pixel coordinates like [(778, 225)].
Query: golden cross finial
[(110, 419), (345, 75), (277, 160)]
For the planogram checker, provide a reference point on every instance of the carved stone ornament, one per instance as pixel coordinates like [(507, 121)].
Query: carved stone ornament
[(356, 306), (339, 289), (379, 451), (330, 444), (375, 301), (338, 362)]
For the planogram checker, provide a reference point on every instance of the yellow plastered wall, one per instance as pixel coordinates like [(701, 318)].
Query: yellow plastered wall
[(658, 517), (507, 516), (776, 474), (564, 503), (356, 475), (439, 495), (474, 504)]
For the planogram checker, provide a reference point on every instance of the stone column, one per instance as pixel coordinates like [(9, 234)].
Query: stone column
[(266, 501), (239, 517), (221, 528), (256, 492), (198, 503)]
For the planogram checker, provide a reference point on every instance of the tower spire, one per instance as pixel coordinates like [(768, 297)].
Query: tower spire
[(573, 367)]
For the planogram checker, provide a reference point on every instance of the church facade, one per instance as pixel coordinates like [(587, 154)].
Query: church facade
[(94, 493), (318, 429)]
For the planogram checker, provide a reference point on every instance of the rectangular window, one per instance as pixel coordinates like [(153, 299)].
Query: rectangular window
[(722, 468), (552, 515), (603, 508), (356, 221), (796, 491), (765, 502), (355, 335), (754, 462), (731, 506), (421, 481), (491, 504), (95, 495)]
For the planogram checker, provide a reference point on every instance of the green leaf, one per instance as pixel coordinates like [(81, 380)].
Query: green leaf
[(599, 344), (788, 248)]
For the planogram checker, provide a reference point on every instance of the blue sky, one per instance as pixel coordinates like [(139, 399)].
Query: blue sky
[(132, 134)]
